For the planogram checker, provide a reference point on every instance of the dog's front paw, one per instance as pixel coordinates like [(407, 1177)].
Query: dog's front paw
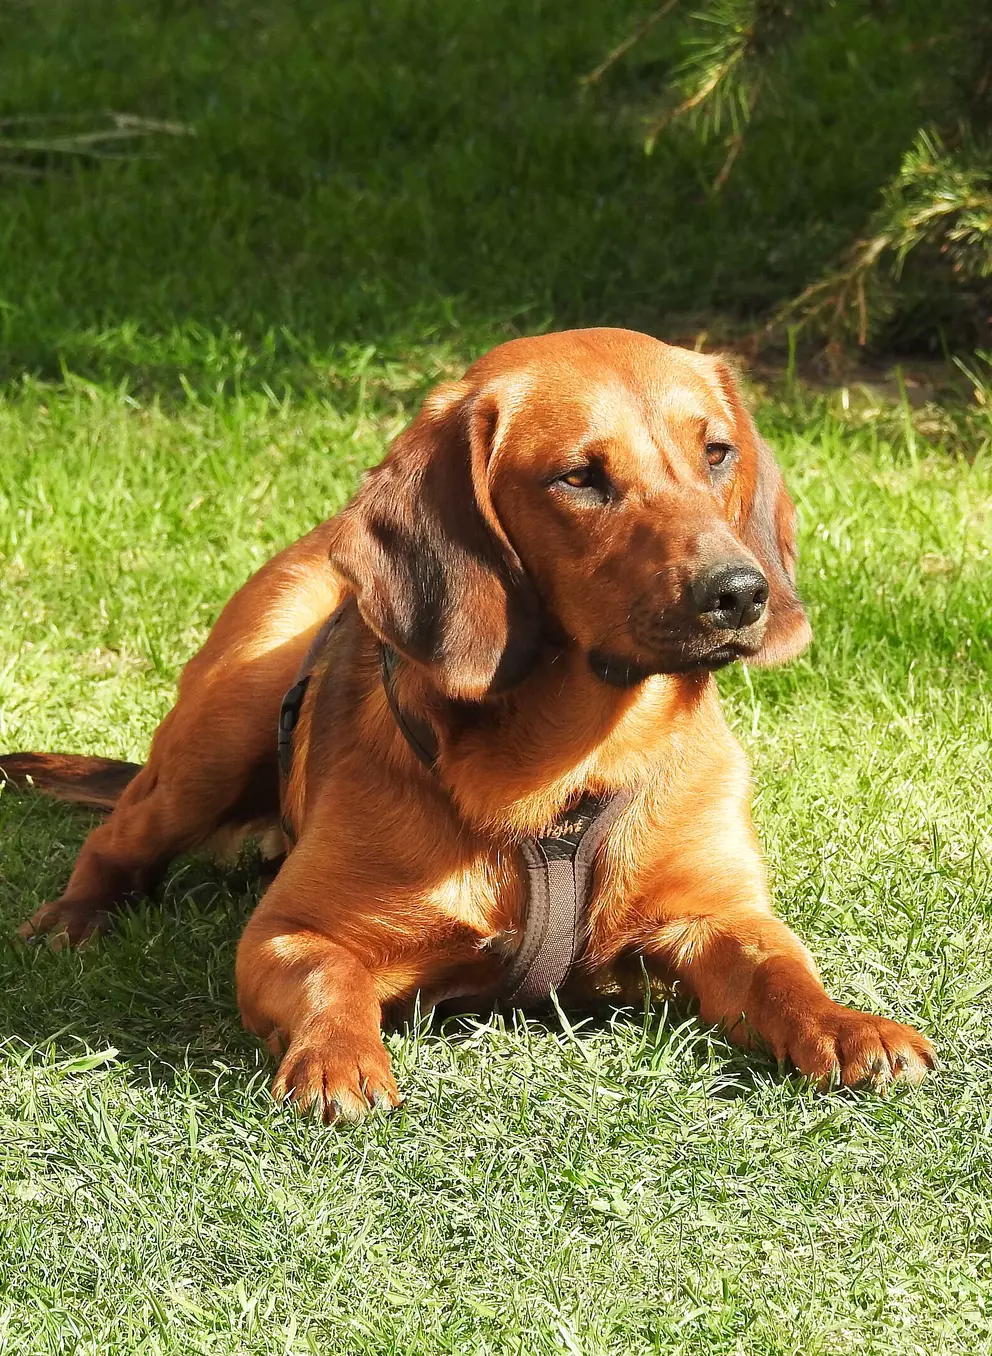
[(834, 1044), (338, 1077)]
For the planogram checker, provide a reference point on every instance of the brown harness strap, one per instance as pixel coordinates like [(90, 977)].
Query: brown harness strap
[(292, 704), (559, 865), (559, 882), (417, 733)]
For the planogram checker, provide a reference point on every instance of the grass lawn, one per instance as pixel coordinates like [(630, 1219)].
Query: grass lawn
[(200, 353)]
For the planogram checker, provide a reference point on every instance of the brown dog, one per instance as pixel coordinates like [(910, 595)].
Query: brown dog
[(560, 549)]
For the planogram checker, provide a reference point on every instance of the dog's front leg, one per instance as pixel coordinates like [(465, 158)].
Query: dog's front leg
[(752, 975), (314, 1002)]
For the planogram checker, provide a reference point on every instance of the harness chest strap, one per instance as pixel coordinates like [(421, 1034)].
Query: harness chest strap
[(559, 892), (559, 866), (289, 711)]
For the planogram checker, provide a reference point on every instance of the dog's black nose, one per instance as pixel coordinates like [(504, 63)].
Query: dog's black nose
[(730, 597)]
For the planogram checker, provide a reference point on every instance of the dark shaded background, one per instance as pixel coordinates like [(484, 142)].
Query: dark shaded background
[(391, 172)]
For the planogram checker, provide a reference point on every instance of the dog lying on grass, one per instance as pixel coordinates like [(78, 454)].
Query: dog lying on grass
[(528, 599)]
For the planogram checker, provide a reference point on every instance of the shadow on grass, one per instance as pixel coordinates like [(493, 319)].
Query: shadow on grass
[(160, 988)]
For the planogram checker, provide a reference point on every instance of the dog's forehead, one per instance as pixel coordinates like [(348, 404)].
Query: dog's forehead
[(646, 399), (572, 360)]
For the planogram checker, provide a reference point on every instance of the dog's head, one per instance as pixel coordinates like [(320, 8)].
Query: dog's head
[(596, 487)]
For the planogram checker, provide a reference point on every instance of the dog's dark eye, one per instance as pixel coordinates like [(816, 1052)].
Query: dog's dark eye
[(582, 478), (587, 484), (717, 453)]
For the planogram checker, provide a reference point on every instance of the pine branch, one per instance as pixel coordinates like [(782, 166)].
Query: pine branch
[(633, 38), (732, 55), (937, 198)]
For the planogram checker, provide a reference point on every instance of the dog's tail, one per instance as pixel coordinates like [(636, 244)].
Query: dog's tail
[(94, 782)]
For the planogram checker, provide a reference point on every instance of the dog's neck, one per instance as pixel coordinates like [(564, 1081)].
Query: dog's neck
[(514, 763)]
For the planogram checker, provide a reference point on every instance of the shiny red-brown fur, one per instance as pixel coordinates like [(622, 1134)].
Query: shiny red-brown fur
[(496, 589)]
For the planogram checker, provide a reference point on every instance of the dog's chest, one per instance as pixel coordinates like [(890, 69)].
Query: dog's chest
[(532, 922)]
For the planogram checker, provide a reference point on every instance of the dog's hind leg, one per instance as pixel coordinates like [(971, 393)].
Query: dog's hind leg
[(211, 768), (174, 805), (212, 764)]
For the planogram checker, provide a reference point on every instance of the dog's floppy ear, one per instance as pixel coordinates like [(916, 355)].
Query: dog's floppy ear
[(766, 522), (434, 572)]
